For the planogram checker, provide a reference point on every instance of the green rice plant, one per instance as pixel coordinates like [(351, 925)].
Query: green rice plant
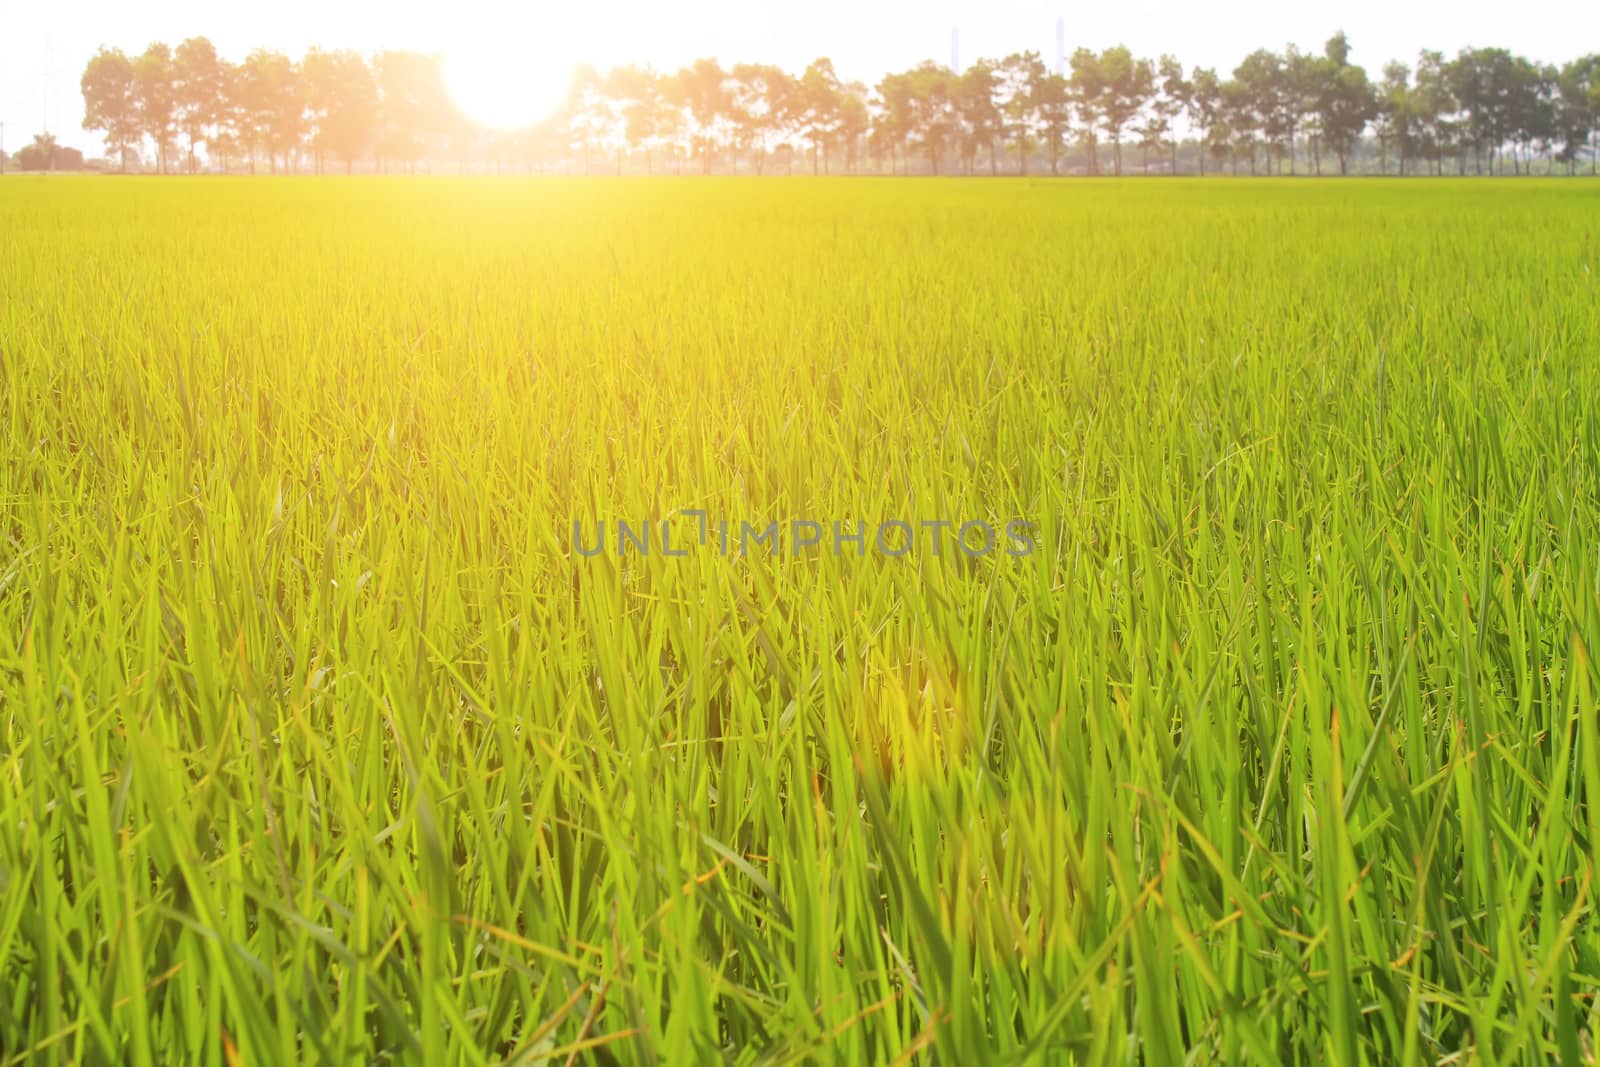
[(321, 741)]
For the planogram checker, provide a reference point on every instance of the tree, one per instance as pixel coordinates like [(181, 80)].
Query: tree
[(411, 104), (1531, 112), (110, 101), (1172, 100), (1580, 111), (896, 120), (1019, 79), (1345, 102), (1205, 112), (42, 154), (272, 106), (1152, 138), (341, 97), (1485, 103), (820, 109), (1127, 85), (1430, 109), (673, 129), (855, 119), (1262, 104), (593, 118), (930, 95), (197, 90), (1054, 100), (702, 88), (757, 101), (1241, 120), (1394, 115), (643, 109), (977, 113), (1481, 79), (155, 82), (1089, 93), (1303, 80), (1165, 104), (231, 140)]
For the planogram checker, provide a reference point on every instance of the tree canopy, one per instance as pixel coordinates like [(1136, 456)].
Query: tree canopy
[(1485, 110)]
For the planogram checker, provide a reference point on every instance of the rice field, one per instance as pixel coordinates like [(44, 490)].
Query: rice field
[(383, 677)]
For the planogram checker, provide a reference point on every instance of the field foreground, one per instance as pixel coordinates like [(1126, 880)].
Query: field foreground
[(320, 741)]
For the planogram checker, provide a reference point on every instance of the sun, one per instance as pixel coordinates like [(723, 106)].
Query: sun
[(503, 86)]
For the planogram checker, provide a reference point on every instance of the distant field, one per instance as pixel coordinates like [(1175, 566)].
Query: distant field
[(321, 741)]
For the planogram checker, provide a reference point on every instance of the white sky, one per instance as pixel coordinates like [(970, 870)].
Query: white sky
[(44, 44)]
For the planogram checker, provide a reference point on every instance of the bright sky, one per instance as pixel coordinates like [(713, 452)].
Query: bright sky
[(44, 44)]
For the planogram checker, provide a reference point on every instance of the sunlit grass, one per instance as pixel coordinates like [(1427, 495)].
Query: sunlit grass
[(320, 744)]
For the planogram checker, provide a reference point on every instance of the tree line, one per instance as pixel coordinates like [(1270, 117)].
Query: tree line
[(44, 153), (1482, 111)]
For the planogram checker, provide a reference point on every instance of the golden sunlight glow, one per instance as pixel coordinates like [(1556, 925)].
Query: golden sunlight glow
[(504, 84)]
